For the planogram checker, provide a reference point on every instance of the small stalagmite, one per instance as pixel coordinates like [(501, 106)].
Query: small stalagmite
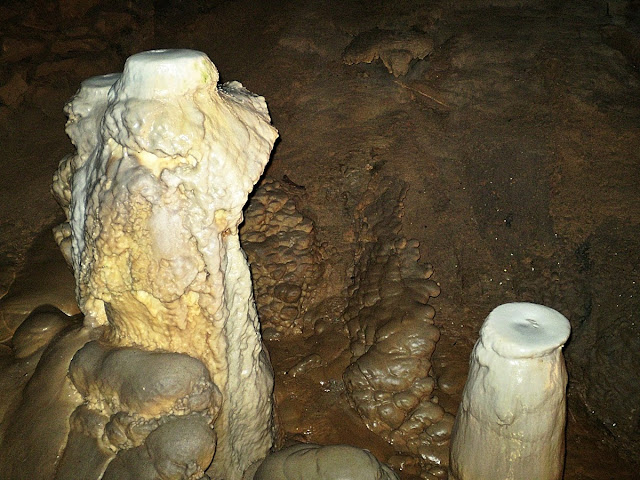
[(511, 422)]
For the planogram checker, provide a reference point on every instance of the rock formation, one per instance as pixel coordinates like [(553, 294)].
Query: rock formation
[(155, 249), (389, 381), (168, 366), (512, 418), (284, 256), (307, 461)]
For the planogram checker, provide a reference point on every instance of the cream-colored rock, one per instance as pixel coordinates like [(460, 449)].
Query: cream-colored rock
[(511, 421), (154, 217), (85, 112)]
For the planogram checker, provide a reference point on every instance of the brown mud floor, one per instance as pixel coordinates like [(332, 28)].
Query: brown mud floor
[(517, 137)]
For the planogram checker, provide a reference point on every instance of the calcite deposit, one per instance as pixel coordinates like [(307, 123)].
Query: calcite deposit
[(154, 214), (284, 256), (511, 423), (308, 461), (84, 114), (393, 337), (166, 376), (145, 415)]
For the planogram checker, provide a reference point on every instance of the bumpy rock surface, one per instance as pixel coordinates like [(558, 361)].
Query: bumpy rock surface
[(284, 257), (523, 188), (84, 114), (165, 159), (154, 214), (151, 411), (392, 335), (316, 462), (396, 49)]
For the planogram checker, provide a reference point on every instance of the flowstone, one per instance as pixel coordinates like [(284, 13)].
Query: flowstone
[(389, 381), (154, 217), (284, 257)]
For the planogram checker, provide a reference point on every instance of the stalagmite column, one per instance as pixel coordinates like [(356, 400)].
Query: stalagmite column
[(511, 422), (154, 218), (85, 110)]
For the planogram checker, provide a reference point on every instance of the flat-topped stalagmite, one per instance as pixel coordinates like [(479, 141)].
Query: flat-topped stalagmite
[(511, 422), (154, 213)]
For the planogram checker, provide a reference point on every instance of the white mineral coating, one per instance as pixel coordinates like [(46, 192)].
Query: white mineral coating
[(154, 216), (308, 461), (511, 422), (84, 114)]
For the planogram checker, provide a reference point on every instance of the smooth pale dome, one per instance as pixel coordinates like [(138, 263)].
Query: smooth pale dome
[(92, 91), (162, 73), (100, 82), (88, 103), (521, 330)]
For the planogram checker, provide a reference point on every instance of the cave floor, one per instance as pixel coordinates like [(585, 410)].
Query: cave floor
[(517, 138)]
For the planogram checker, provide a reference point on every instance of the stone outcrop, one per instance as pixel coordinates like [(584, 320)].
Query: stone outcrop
[(393, 337)]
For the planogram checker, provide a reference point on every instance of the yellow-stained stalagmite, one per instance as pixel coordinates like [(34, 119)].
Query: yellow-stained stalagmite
[(157, 192)]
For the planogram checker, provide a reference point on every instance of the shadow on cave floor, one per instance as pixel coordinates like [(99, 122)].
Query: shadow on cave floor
[(517, 138)]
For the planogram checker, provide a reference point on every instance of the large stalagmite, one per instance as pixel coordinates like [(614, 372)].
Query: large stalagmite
[(156, 200)]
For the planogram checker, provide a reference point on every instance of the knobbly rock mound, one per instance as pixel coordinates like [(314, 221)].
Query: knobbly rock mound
[(150, 410), (316, 462), (396, 49), (284, 257), (392, 334)]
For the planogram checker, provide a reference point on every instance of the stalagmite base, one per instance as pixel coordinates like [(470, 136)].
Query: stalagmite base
[(511, 422)]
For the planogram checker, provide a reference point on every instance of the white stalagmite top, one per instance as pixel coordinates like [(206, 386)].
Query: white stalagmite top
[(511, 421), (163, 73), (524, 330), (85, 112)]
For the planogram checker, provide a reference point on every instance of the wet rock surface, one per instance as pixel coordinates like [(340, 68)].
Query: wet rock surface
[(516, 137), (285, 258), (151, 411), (317, 462), (393, 336)]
